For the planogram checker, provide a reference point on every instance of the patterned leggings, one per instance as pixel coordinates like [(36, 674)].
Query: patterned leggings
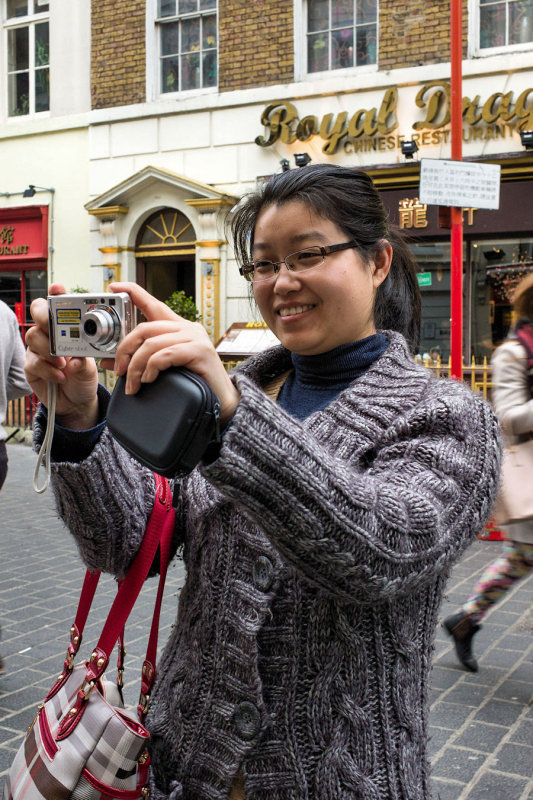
[(514, 563)]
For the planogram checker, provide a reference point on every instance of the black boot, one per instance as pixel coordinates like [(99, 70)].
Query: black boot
[(461, 628)]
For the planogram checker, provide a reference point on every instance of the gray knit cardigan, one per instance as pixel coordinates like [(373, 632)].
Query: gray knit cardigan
[(316, 555)]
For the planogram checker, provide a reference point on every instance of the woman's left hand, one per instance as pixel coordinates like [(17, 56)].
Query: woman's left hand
[(168, 340)]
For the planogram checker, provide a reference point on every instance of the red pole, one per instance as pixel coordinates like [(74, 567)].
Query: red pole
[(456, 245)]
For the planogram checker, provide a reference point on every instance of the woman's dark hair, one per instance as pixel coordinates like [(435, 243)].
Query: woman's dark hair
[(348, 198)]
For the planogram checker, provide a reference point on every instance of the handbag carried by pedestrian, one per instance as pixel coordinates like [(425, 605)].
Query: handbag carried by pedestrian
[(83, 743)]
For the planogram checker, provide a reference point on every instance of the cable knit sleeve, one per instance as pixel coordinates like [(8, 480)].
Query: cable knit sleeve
[(366, 501), (106, 501)]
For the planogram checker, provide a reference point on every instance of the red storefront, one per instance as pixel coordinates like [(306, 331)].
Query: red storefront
[(23, 258)]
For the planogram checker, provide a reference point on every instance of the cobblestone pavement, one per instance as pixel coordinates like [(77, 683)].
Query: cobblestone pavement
[(481, 724)]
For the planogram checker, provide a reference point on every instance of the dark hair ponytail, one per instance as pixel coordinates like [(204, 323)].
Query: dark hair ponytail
[(348, 198)]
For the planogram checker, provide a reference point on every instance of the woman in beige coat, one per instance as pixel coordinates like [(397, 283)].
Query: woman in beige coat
[(512, 398)]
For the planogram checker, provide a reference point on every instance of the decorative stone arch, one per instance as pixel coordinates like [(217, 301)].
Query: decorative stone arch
[(118, 217)]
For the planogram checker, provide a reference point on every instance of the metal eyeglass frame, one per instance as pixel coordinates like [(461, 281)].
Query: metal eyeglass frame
[(247, 270)]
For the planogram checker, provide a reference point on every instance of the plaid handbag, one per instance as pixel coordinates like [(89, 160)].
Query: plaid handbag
[(83, 744)]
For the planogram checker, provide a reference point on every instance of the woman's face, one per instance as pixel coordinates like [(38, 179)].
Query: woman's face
[(314, 311)]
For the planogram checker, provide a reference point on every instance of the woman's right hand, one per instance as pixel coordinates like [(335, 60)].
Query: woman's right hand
[(76, 378)]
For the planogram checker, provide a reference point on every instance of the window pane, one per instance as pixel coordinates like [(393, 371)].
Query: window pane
[(342, 48), (497, 266), (210, 68), (435, 328), (170, 33), (317, 15), (41, 5), (166, 8), (367, 11), (341, 13), (17, 8), (36, 286), (18, 49), (366, 45), (317, 53), (42, 51), (190, 35), (170, 75), (521, 22), (205, 5), (19, 94), (11, 288), (209, 31), (492, 26), (42, 89), (190, 71), (188, 6)]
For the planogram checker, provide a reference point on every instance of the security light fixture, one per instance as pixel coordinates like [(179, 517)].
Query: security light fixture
[(526, 137), (409, 148), (32, 189), (285, 165), (302, 159)]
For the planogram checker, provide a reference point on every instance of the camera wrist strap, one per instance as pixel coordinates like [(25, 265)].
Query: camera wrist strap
[(46, 446)]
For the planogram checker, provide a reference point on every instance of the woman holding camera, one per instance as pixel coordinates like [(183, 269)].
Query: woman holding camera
[(318, 534)]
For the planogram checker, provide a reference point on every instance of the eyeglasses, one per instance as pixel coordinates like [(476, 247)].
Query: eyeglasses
[(300, 261)]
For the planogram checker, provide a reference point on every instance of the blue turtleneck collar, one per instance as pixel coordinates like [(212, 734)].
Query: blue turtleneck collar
[(317, 380)]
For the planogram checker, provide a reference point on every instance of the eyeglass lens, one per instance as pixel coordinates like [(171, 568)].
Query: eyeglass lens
[(297, 262)]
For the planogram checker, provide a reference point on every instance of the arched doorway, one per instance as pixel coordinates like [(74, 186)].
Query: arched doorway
[(165, 254)]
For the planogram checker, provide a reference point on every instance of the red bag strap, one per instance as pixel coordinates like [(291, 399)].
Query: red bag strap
[(158, 532)]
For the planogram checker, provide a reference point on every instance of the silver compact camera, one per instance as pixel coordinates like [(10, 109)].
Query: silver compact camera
[(89, 324)]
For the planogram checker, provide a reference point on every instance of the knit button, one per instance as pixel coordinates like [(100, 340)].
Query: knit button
[(247, 720), (263, 573)]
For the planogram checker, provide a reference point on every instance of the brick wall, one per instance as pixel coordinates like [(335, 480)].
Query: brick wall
[(118, 53), (414, 32), (256, 45)]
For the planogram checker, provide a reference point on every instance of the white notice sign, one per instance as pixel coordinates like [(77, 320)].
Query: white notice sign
[(459, 183)]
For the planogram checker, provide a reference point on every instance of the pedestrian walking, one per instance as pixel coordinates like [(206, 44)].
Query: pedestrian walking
[(317, 534), (512, 393), (13, 382)]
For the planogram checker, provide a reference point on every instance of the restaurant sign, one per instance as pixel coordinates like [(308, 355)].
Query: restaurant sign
[(23, 234), (493, 117)]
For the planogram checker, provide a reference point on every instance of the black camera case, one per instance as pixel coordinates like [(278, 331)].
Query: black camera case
[(168, 424)]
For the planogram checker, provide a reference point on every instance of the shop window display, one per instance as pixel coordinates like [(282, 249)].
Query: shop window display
[(188, 40), (433, 259), (18, 288), (491, 270), (341, 34), (497, 267)]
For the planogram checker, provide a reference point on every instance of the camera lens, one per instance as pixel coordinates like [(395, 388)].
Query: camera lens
[(90, 327), (101, 327)]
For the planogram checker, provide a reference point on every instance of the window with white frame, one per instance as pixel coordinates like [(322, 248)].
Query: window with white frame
[(341, 34), (26, 31), (504, 23), (188, 44)]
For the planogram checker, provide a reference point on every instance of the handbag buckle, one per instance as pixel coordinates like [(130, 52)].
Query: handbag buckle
[(91, 685), (144, 702)]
